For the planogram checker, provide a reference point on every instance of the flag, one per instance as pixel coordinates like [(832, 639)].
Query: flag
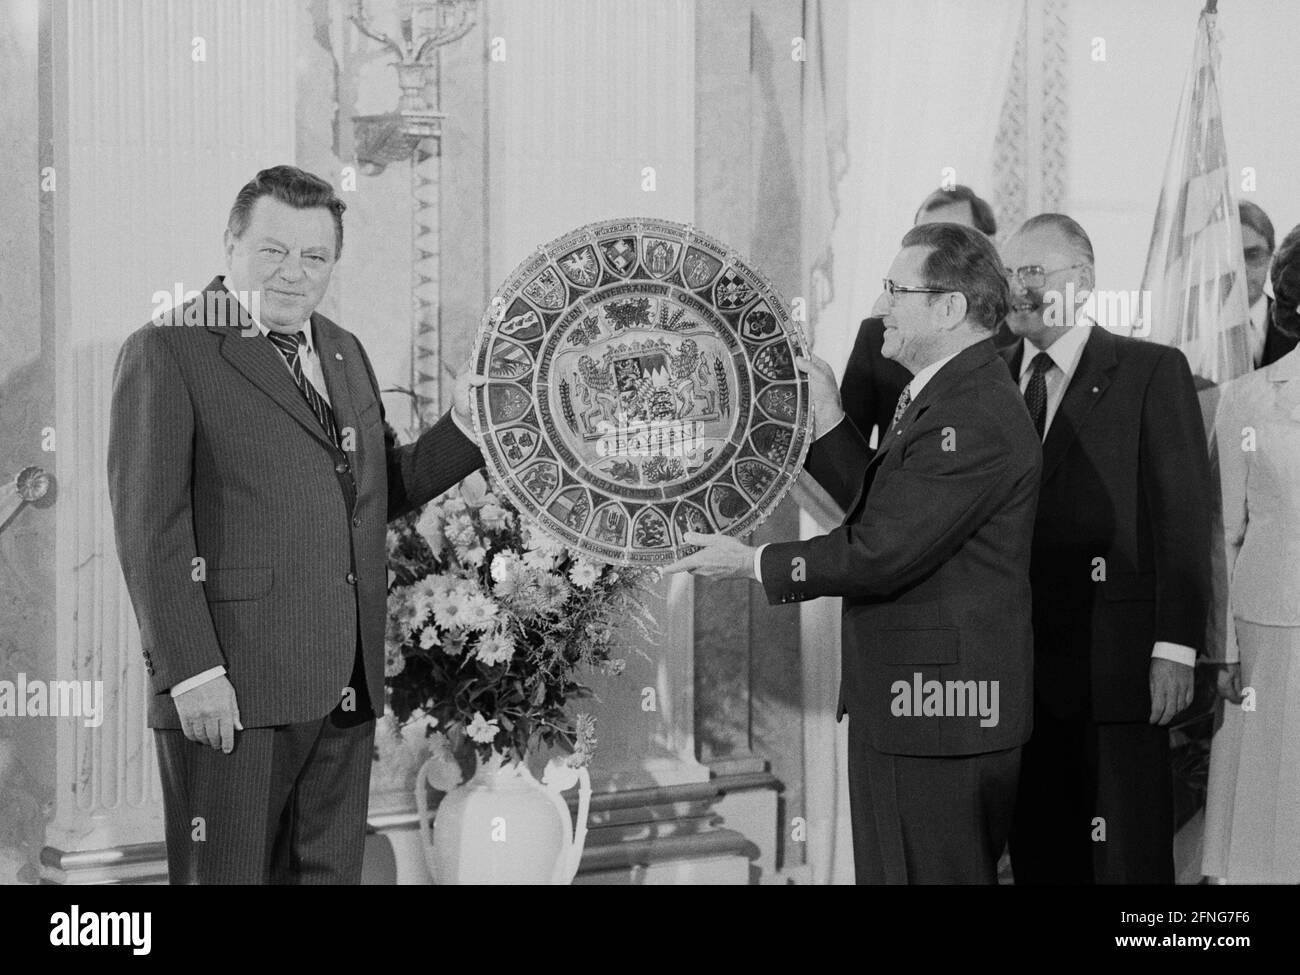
[(1195, 272)]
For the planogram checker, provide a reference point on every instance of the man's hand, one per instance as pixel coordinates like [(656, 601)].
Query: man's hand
[(1171, 689), (1228, 682), (825, 394), (466, 382), (719, 557), (209, 714)]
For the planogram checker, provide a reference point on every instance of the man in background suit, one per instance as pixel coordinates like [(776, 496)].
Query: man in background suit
[(251, 485), (932, 562), (1257, 250), (872, 381), (1121, 573)]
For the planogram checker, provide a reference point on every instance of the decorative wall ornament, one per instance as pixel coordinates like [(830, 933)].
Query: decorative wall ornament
[(414, 133), (1032, 149), (641, 384), (1054, 106)]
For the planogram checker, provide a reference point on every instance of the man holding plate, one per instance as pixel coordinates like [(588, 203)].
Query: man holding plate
[(932, 562)]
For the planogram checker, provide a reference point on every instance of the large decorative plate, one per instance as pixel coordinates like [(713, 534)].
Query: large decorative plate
[(641, 384)]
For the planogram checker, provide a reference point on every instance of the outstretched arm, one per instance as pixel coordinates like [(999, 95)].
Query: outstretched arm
[(954, 473), (441, 458)]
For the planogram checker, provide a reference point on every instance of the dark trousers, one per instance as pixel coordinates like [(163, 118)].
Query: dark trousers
[(1095, 804), (929, 820), (286, 806)]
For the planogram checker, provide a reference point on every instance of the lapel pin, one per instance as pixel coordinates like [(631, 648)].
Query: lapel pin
[(1095, 389), (339, 356)]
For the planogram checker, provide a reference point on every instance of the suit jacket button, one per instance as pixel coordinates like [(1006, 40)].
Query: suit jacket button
[(352, 578), (356, 521), (341, 467)]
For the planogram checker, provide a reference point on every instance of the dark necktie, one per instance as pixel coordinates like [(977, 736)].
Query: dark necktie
[(289, 344), (1036, 391), (904, 401)]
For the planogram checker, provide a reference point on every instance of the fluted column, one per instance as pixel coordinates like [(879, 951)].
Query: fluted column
[(162, 109)]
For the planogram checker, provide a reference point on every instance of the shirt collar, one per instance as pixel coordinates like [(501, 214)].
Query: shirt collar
[(1259, 314), (306, 326), (920, 380), (1064, 352)]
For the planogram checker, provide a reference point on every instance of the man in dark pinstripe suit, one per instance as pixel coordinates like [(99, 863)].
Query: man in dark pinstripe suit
[(251, 483)]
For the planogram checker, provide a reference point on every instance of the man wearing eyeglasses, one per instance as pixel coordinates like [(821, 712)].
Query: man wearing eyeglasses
[(932, 563), (872, 380), (1120, 572)]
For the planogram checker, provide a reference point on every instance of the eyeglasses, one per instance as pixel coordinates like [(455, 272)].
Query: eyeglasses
[(892, 289), (1034, 276)]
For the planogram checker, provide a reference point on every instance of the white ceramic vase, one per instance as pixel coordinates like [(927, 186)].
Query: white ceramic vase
[(505, 827)]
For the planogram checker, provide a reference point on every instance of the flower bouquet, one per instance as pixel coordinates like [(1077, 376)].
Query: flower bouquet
[(490, 625)]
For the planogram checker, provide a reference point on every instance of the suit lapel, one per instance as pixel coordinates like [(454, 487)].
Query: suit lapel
[(259, 362), (1091, 377), (963, 362)]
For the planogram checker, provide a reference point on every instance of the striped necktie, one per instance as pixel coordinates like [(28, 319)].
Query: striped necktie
[(289, 344)]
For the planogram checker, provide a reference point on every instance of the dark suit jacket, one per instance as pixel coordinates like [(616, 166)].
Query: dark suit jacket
[(933, 557), (1126, 478), (1276, 342), (214, 454), (872, 384)]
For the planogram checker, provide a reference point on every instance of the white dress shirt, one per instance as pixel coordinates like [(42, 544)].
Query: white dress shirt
[(918, 383)]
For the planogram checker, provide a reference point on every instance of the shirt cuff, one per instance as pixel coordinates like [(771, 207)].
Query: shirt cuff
[(189, 683), (1176, 652), (468, 431), (758, 561)]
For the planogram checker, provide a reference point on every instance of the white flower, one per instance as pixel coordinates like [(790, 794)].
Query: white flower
[(505, 565), (455, 506), (497, 648), (422, 595), (535, 539), (553, 592), (460, 531), (477, 611), (494, 517), (449, 609), (583, 573), (482, 730), (429, 638)]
